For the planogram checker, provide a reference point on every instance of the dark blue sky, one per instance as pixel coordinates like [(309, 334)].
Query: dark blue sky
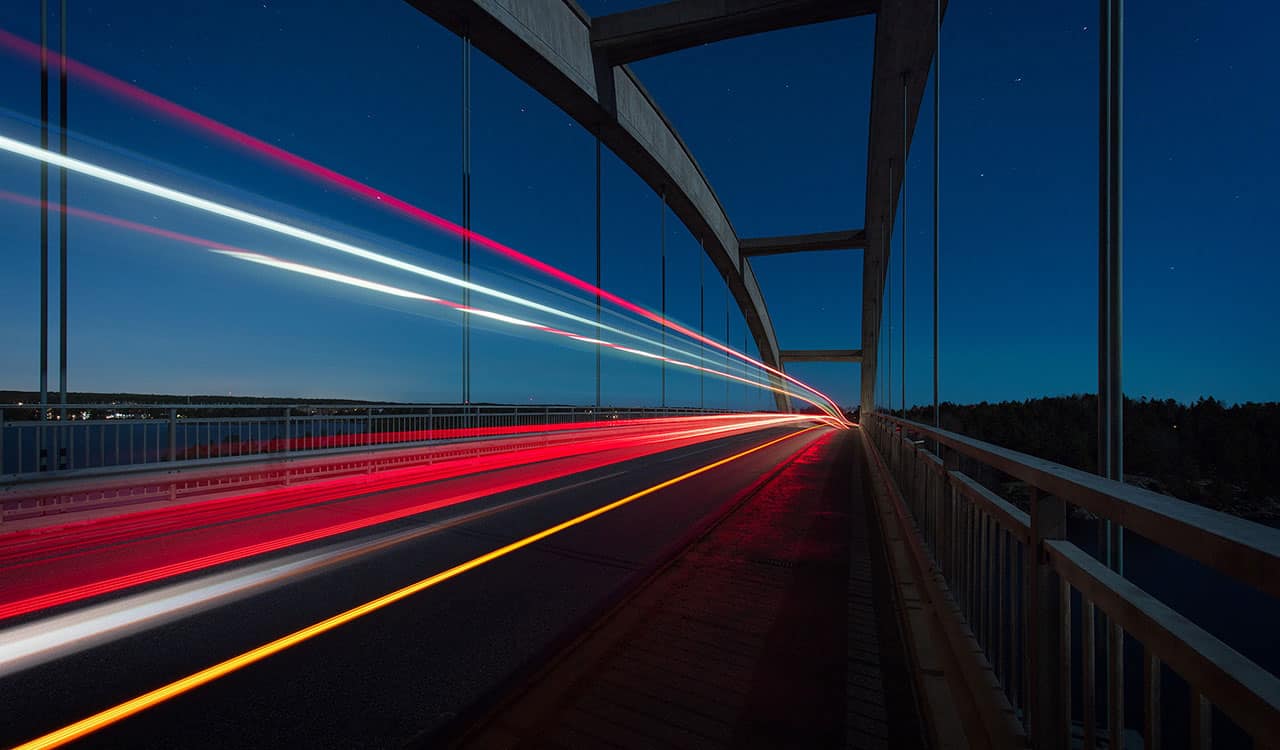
[(779, 124)]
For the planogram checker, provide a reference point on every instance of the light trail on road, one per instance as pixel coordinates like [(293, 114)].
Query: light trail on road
[(231, 545), (50, 638), (186, 684)]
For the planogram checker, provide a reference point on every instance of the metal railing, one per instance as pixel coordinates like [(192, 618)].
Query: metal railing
[(53, 494), (95, 437), (1012, 574)]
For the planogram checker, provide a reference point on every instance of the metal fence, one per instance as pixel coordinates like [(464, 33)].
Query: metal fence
[(1012, 574), (102, 436)]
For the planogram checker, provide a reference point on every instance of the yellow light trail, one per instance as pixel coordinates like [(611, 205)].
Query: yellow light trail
[(116, 713)]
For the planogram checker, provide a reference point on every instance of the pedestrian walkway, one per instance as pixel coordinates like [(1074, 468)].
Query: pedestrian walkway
[(762, 633)]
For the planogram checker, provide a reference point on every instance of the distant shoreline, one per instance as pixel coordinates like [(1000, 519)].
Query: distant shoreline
[(31, 398), (1205, 451)]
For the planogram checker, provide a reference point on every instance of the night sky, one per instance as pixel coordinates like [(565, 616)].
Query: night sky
[(779, 124)]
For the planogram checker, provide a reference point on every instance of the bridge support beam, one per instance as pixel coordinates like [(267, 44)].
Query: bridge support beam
[(547, 44), (821, 355), (667, 27), (851, 239), (905, 45)]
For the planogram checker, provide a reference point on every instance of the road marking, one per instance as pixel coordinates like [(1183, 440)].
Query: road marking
[(34, 643), (142, 702)]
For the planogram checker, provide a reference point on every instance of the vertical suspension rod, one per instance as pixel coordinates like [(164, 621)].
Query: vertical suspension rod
[(662, 250), (44, 217), (1104, 238), (62, 213), (702, 325), (598, 271), (466, 216), (726, 340), (1110, 263), (882, 337), (1116, 255), (886, 241), (903, 301), (937, 161), (1110, 387)]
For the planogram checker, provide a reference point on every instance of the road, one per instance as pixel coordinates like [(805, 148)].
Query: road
[(399, 674)]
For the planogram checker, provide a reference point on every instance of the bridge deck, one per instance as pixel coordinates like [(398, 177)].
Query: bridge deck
[(764, 632)]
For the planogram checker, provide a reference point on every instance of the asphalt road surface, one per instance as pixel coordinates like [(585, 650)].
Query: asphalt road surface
[(399, 675)]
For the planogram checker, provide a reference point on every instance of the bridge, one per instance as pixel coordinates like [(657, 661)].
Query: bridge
[(684, 570)]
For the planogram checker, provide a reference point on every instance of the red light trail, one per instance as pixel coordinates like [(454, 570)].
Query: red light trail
[(279, 518), (105, 718)]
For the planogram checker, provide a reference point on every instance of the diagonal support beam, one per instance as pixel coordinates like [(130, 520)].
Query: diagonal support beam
[(546, 43), (821, 355), (850, 239), (668, 27)]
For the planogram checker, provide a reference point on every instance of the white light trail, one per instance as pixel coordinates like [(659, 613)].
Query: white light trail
[(46, 639), (203, 204), (321, 273), (342, 278)]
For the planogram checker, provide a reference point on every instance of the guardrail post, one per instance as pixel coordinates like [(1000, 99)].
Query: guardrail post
[(939, 514), (926, 493), (41, 447), (910, 473), (1, 447), (1050, 729), (173, 434), (288, 429), (911, 478)]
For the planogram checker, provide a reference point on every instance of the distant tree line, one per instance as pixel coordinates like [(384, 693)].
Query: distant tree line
[(1205, 452)]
